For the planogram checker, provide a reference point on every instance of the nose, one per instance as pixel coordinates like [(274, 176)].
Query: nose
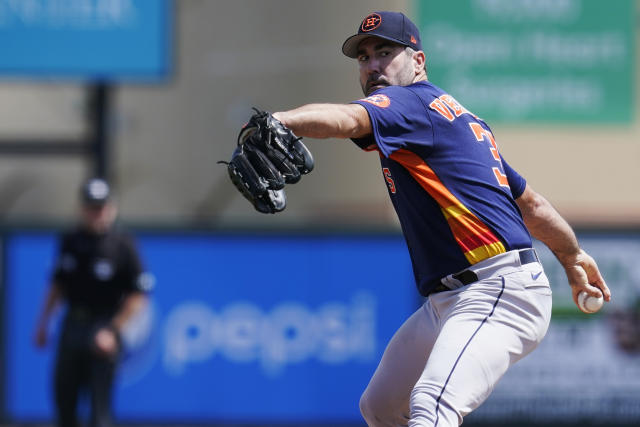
[(372, 66)]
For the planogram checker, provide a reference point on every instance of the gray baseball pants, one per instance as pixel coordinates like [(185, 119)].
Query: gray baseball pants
[(445, 360)]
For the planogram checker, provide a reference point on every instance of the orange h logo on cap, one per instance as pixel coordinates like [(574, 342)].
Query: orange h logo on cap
[(371, 22)]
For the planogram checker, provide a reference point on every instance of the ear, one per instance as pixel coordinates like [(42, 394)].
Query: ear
[(418, 61)]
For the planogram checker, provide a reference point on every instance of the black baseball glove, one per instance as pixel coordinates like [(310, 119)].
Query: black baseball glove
[(268, 156)]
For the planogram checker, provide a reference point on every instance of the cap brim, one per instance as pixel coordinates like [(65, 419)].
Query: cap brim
[(350, 45)]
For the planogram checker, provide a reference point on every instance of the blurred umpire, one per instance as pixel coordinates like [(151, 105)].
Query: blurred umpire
[(100, 277)]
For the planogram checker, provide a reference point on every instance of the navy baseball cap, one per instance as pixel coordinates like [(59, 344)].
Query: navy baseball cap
[(392, 26), (95, 192)]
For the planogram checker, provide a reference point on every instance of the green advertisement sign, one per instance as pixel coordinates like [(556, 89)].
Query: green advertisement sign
[(562, 61)]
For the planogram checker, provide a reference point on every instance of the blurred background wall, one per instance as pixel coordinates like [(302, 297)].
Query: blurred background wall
[(163, 135), (229, 56)]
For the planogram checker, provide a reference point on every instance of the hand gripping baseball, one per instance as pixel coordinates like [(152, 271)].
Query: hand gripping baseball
[(268, 156), (585, 278)]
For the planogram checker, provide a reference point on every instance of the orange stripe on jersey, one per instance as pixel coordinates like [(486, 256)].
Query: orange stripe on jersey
[(473, 236), (479, 242)]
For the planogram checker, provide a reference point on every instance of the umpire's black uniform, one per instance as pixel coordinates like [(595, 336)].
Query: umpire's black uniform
[(95, 274)]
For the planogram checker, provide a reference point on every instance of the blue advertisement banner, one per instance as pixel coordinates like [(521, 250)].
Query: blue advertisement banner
[(241, 328), (88, 39)]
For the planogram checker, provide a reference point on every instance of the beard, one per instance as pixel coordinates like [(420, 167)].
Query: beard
[(374, 83)]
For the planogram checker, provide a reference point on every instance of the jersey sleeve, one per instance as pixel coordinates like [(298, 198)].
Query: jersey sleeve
[(65, 261), (137, 278), (398, 120), (517, 183)]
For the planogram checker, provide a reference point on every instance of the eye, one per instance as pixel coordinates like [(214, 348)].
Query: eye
[(362, 58)]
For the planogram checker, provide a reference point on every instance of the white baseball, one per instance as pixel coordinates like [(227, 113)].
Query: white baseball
[(588, 303)]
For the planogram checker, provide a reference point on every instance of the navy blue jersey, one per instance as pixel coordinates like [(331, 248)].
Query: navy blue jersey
[(452, 191)]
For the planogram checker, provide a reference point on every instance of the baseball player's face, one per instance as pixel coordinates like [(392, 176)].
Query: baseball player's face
[(98, 218), (383, 63)]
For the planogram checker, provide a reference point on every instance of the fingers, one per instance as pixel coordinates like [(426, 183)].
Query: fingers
[(600, 287), (594, 278), (585, 275)]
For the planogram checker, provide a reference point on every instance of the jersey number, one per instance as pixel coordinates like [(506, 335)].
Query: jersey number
[(482, 134), (387, 176)]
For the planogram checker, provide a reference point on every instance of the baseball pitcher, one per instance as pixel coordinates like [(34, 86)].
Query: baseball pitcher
[(466, 214)]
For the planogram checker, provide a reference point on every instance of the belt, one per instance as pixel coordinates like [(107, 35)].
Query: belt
[(86, 314), (487, 268)]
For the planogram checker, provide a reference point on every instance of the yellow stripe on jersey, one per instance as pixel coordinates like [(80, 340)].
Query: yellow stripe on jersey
[(484, 252)]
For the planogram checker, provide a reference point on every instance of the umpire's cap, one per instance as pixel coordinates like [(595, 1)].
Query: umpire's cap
[(392, 26), (95, 192)]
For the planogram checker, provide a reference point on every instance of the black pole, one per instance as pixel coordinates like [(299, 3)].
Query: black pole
[(99, 118)]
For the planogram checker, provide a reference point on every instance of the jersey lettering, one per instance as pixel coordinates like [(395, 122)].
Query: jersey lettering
[(387, 176), (448, 107), (502, 178), (481, 135), (453, 104), (437, 105)]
